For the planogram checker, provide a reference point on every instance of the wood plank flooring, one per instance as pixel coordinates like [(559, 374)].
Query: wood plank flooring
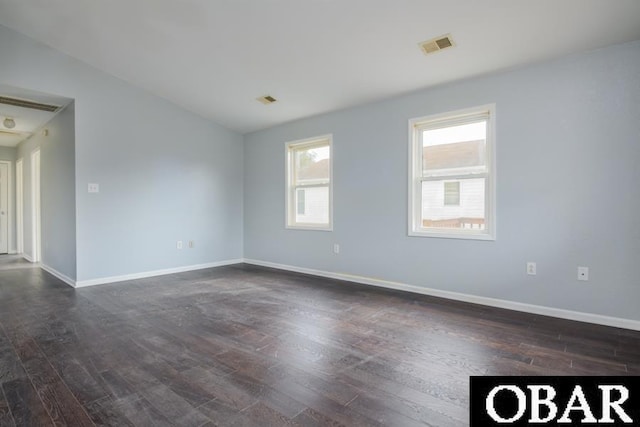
[(249, 346)]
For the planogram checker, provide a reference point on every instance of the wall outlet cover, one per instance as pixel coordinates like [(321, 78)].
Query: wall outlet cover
[(531, 268), (583, 273)]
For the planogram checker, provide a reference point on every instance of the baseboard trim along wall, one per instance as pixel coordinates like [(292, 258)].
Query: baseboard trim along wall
[(113, 279), (475, 299), (66, 279), (27, 257), (492, 302)]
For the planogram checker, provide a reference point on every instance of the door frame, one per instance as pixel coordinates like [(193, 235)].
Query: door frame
[(20, 205), (36, 226), (9, 164)]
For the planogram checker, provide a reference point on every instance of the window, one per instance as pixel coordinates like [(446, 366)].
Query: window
[(309, 192), (452, 183)]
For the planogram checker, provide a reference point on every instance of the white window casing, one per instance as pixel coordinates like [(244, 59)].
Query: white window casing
[(309, 175), (457, 146)]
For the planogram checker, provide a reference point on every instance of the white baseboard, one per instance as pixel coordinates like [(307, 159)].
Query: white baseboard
[(475, 299), (113, 279), (66, 279), (27, 257)]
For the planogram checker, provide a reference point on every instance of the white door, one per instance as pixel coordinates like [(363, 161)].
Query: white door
[(4, 208)]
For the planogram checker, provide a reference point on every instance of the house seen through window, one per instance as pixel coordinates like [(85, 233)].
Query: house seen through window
[(300, 203), (452, 193)]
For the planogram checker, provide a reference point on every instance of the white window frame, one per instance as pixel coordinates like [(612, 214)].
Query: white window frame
[(291, 189), (416, 126)]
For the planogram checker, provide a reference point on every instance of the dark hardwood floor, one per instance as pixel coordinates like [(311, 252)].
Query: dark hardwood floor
[(250, 346)]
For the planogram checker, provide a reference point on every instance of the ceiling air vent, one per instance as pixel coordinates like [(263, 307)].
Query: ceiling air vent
[(267, 99), (28, 104), (437, 44)]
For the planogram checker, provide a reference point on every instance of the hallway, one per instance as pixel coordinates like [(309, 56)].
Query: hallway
[(15, 262)]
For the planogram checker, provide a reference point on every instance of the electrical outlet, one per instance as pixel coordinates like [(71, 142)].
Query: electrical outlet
[(192, 244), (583, 273), (179, 244), (93, 188), (531, 268), (336, 248)]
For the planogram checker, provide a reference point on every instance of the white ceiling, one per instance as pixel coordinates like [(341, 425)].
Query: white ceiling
[(214, 57), (28, 121)]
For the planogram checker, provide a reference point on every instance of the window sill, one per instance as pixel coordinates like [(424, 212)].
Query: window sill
[(309, 227), (452, 235)]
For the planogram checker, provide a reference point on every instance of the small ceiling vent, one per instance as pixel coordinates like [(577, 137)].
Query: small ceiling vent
[(267, 99), (437, 44), (28, 104)]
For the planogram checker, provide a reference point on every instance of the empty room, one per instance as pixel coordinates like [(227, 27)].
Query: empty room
[(319, 213)]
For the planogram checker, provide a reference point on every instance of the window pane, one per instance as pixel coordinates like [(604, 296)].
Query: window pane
[(469, 213), (316, 206), (454, 147), (312, 165)]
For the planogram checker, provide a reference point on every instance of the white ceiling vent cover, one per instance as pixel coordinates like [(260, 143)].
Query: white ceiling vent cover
[(437, 44)]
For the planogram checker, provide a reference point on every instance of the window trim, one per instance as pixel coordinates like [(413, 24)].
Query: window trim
[(415, 173), (290, 205)]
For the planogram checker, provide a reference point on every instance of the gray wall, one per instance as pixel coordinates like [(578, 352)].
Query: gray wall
[(7, 153), (57, 193), (165, 174), (567, 189)]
